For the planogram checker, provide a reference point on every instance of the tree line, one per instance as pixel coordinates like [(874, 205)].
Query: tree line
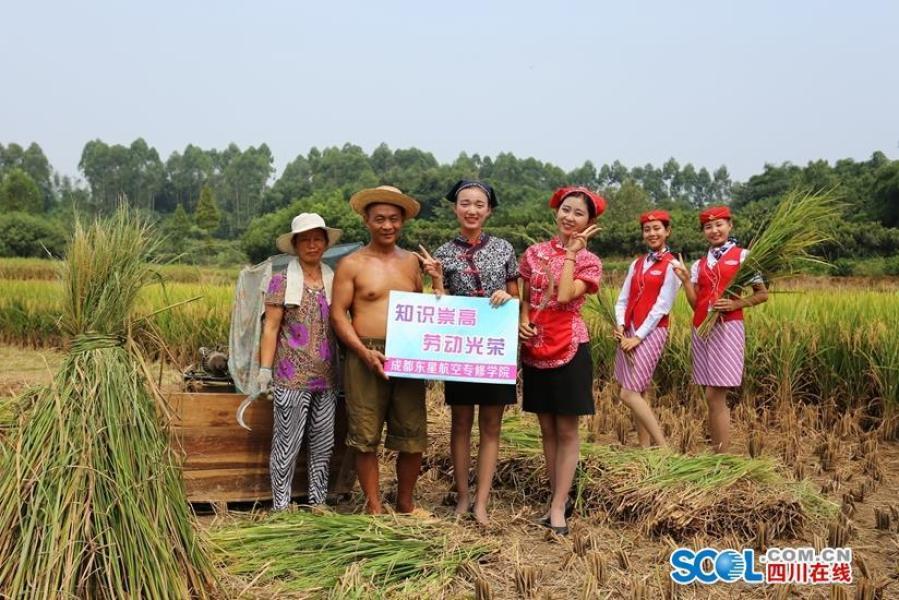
[(226, 206)]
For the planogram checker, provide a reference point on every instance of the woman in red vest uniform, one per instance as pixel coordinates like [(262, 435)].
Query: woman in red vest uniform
[(718, 359), (646, 298), (557, 380)]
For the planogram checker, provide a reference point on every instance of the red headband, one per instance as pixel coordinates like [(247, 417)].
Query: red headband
[(655, 215), (713, 213), (599, 203)]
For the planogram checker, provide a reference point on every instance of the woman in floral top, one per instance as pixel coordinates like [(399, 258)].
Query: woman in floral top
[(475, 264), (296, 357), (558, 372)]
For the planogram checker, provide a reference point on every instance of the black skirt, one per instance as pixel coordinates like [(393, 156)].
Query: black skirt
[(465, 393), (565, 390)]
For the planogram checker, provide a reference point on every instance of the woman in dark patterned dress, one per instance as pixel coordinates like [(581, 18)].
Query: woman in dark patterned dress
[(475, 264)]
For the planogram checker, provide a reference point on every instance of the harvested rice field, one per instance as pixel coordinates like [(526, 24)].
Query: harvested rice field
[(801, 474)]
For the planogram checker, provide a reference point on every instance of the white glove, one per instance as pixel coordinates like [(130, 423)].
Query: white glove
[(264, 378)]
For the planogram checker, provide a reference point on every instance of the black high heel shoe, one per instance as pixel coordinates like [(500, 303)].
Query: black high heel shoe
[(563, 530)]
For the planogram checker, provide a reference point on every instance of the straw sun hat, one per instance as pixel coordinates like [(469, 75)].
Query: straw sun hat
[(385, 194), (305, 222)]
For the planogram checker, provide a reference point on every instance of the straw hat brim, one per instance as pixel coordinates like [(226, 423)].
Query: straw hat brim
[(361, 200), (284, 243)]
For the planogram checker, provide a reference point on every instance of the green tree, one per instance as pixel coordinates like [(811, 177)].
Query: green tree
[(113, 172), (258, 241), (885, 198), (177, 230), (33, 161), (187, 173), (584, 175), (295, 182), (180, 224), (244, 179), (23, 234), (621, 230), (208, 216), (770, 184), (19, 192)]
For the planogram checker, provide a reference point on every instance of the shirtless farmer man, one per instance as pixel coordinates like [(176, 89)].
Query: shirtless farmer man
[(362, 284)]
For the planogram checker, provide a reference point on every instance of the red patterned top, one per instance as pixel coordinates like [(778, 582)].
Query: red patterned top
[(533, 267)]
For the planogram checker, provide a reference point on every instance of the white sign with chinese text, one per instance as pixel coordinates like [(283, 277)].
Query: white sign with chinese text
[(452, 338)]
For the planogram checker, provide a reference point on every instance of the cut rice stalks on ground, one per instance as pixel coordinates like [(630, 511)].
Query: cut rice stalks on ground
[(325, 554), (667, 493), (92, 504)]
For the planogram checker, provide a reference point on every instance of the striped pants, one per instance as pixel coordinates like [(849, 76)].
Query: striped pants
[(292, 407)]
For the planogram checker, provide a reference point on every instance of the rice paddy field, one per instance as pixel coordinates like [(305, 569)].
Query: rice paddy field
[(815, 343), (814, 462)]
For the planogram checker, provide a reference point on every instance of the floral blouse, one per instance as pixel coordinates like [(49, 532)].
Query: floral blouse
[(479, 269), (304, 357), (550, 256)]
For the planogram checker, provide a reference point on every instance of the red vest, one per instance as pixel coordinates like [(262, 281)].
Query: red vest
[(645, 288), (712, 283)]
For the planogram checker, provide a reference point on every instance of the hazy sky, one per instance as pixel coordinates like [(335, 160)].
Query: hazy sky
[(716, 82)]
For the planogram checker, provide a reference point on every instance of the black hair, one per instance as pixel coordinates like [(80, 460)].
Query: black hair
[(463, 184), (591, 208)]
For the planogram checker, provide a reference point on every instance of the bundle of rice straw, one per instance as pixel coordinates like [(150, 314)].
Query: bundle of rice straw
[(666, 493), (92, 504), (602, 305), (601, 322), (802, 220), (376, 555)]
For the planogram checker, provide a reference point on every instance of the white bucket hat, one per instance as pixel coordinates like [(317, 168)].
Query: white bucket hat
[(304, 222)]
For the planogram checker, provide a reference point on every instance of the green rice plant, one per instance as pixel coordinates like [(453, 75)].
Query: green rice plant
[(48, 270), (29, 268), (602, 343), (30, 315), (811, 346), (312, 552), (883, 358), (801, 221), (92, 504)]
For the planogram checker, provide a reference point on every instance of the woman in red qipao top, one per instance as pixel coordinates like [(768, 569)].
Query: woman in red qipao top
[(718, 359), (646, 298), (558, 371)]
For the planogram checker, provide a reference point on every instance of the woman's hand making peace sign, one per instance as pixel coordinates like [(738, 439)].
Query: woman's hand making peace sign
[(578, 241)]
